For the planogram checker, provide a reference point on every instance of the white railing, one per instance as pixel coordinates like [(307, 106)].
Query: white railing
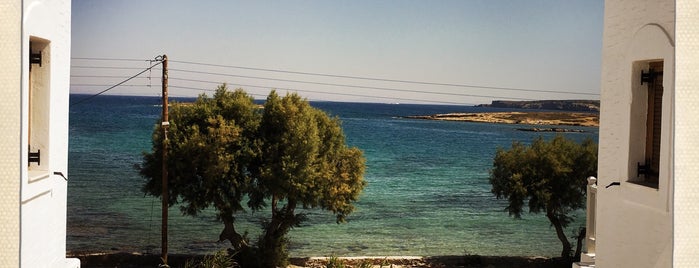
[(590, 232)]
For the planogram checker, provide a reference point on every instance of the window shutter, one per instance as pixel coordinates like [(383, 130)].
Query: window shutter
[(654, 122)]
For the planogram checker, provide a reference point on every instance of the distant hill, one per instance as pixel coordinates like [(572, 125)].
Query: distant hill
[(562, 105)]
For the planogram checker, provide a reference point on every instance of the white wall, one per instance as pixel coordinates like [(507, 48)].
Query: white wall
[(43, 194), (686, 214), (634, 222), (10, 118)]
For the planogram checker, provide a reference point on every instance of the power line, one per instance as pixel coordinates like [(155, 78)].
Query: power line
[(258, 86), (103, 76), (105, 85), (107, 59), (347, 85), (116, 85), (212, 90), (327, 75), (386, 79), (353, 86), (306, 81), (106, 67), (329, 93)]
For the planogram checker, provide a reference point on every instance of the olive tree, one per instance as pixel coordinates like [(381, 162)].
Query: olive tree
[(550, 176)]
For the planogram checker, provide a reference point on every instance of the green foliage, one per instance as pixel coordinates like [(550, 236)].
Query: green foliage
[(550, 176), (306, 160), (287, 155), (272, 250), (220, 259), (210, 151), (335, 262), (365, 264), (385, 262), (306, 164)]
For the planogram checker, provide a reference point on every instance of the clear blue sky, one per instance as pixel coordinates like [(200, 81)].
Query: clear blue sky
[(549, 45)]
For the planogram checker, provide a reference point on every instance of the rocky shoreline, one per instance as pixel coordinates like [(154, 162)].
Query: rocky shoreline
[(523, 118), (552, 129), (561, 105), (135, 260)]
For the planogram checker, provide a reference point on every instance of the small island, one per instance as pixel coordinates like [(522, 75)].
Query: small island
[(548, 118)]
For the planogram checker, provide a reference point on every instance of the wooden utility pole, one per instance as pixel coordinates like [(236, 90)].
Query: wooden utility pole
[(165, 196)]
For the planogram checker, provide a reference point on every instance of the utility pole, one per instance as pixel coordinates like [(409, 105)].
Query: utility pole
[(165, 196)]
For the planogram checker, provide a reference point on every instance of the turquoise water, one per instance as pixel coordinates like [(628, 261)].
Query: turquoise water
[(427, 192)]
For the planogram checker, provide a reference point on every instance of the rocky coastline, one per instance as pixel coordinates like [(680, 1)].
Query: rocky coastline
[(560, 105), (522, 118), (551, 129)]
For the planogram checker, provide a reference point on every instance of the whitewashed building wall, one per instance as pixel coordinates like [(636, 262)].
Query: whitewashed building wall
[(10, 121), (34, 118), (634, 225), (686, 193)]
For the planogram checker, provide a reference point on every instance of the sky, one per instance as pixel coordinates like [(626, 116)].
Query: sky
[(436, 52)]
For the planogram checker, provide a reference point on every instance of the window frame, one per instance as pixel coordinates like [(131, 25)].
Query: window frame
[(654, 117), (38, 100)]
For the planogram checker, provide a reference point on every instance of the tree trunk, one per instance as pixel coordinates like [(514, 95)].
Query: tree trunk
[(272, 246), (274, 207), (561, 234), (578, 246), (229, 233)]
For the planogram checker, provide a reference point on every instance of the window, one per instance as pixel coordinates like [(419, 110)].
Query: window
[(653, 78), (38, 99)]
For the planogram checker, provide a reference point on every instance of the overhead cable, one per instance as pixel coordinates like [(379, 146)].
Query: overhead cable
[(116, 85), (105, 85), (385, 79), (107, 59), (102, 76), (346, 85), (106, 67), (329, 93), (330, 75), (225, 74)]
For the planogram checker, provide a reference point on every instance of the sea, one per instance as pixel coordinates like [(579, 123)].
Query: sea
[(427, 191)]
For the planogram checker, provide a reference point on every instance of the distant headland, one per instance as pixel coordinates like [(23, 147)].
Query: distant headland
[(558, 105), (560, 113)]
